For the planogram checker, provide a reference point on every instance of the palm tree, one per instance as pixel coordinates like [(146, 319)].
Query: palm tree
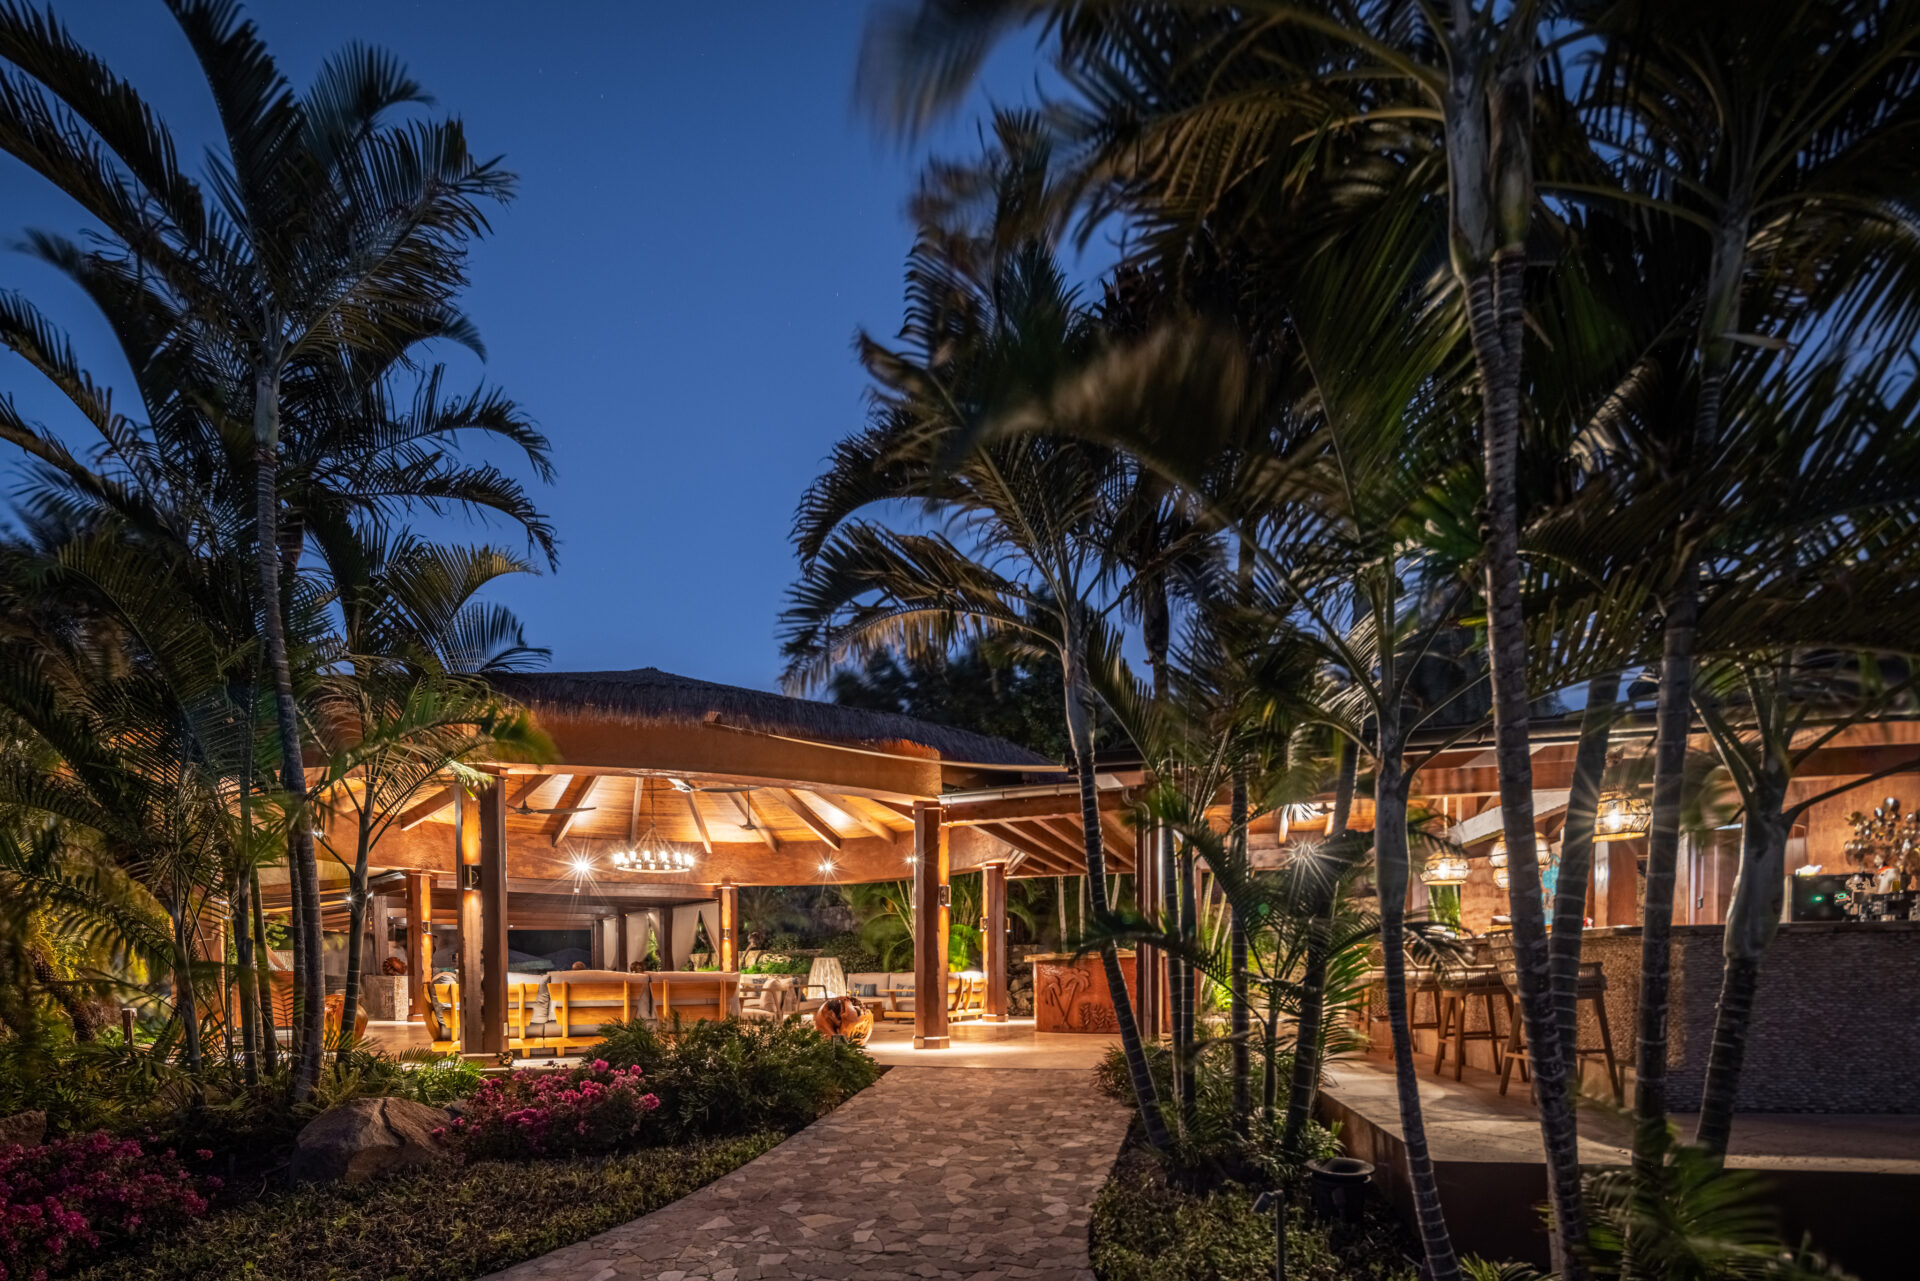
[(1028, 563), (1777, 135), (409, 705), (334, 243)]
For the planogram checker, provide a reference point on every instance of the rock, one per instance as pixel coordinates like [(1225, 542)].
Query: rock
[(363, 1139), (26, 1129)]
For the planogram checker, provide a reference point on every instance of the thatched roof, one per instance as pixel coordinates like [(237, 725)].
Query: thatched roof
[(649, 696)]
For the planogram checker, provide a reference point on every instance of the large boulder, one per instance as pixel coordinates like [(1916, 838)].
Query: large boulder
[(363, 1139), (24, 1129)]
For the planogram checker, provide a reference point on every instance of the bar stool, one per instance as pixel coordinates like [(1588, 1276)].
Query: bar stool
[(1590, 988), (1458, 990)]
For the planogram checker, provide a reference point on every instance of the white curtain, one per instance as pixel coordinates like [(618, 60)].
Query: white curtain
[(684, 918)]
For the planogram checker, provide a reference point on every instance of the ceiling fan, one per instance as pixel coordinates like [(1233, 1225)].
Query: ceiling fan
[(682, 785), (524, 808)]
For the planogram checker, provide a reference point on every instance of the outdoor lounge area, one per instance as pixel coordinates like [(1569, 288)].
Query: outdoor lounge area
[(950, 640)]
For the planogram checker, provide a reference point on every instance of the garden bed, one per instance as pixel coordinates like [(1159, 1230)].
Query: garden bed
[(1150, 1227), (449, 1224)]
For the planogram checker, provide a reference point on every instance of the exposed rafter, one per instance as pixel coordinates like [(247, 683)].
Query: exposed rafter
[(633, 814), (426, 809), (821, 828), (699, 823), (872, 828), (588, 786), (1041, 855)]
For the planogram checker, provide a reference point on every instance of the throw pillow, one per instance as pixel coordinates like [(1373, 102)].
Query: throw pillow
[(866, 989)]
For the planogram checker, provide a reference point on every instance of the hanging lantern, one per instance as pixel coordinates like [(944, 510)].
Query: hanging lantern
[(1498, 859), (1501, 879), (1445, 869), (1623, 816), (652, 853)]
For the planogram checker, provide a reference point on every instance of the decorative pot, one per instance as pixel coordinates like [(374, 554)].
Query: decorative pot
[(1339, 1188)]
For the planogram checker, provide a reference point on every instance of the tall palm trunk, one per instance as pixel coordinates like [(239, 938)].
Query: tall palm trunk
[(1753, 918), (1576, 863), (305, 887), (1186, 1034), (356, 931), (1311, 1028), (185, 1007), (1494, 304), (246, 980), (1240, 1010), (85, 1028), (1673, 719), (263, 977), (1488, 112), (1391, 872), (1080, 735)]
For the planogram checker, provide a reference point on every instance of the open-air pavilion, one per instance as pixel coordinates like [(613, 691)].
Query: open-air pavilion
[(666, 797)]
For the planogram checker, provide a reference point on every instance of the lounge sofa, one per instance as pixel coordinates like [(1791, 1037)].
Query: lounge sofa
[(891, 992), (569, 1010)]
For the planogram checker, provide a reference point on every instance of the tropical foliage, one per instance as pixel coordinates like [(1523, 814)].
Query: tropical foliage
[(1456, 359), (221, 634)]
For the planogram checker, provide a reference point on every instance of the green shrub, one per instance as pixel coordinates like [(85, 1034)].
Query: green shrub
[(853, 953), (771, 964), (732, 1077), (1212, 1140), (442, 1225), (1147, 1229)]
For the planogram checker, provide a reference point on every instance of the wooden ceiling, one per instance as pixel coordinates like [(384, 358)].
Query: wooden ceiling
[(689, 811)]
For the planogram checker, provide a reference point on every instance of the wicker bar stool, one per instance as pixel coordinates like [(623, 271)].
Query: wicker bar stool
[(1591, 989), (1459, 989)]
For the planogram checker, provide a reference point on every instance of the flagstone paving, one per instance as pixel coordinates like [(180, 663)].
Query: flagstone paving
[(986, 1174)]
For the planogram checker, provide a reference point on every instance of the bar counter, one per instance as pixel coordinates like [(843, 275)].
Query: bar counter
[(1836, 1022)]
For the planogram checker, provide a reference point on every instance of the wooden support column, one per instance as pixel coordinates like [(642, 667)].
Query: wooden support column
[(729, 940), (932, 908), (466, 829), (993, 941), (492, 804), (380, 922), (419, 941)]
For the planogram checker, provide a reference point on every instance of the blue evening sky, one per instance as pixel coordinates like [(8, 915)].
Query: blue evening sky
[(704, 222)]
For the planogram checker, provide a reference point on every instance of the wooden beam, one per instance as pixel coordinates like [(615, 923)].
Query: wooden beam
[(743, 801), (872, 828), (821, 828), (1050, 805), (534, 784), (588, 786), (633, 814), (699, 822), (1065, 847), (426, 809), (904, 811), (1043, 856)]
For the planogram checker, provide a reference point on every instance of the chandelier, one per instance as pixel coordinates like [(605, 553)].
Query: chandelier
[(1445, 869), (1623, 816), (1885, 836), (652, 854)]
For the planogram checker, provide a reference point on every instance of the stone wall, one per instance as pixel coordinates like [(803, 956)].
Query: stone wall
[(1836, 1024)]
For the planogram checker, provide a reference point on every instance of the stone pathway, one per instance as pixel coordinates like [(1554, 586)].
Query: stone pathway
[(986, 1174)]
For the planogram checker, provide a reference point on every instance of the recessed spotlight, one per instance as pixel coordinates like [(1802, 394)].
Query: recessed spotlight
[(582, 865)]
